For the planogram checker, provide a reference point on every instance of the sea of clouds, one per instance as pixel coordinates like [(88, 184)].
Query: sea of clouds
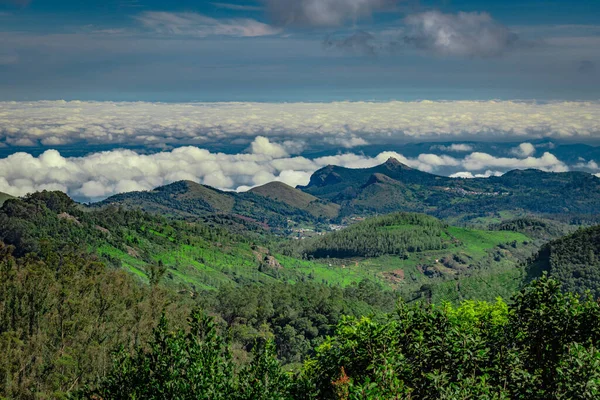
[(273, 139), (341, 124)]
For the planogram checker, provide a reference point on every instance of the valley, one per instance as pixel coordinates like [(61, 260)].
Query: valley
[(278, 262)]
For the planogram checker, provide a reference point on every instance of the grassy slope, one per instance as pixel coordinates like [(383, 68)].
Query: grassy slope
[(296, 198), (485, 270)]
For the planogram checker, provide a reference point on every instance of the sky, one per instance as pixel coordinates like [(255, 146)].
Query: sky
[(299, 50), (99, 97)]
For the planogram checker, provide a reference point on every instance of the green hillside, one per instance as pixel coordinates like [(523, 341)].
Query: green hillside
[(420, 255), (392, 187), (573, 260), (296, 198)]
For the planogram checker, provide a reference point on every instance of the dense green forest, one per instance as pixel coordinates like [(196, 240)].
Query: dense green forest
[(393, 234), (542, 345), (573, 260)]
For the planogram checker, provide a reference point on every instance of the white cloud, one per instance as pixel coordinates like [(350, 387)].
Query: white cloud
[(347, 142), (593, 165), (344, 124), (455, 147), (99, 175), (469, 34), (524, 150), (480, 161), (470, 175), (262, 145), (193, 24)]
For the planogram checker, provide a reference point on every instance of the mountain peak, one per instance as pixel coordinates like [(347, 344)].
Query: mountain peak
[(393, 163)]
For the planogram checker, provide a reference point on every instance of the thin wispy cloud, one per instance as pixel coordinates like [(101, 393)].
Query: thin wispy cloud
[(237, 7), (198, 25), (324, 13)]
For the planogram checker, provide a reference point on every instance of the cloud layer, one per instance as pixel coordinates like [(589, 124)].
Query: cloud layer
[(349, 124), (102, 174)]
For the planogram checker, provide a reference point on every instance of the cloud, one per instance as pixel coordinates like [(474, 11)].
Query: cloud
[(99, 175), (261, 145), (590, 165), (465, 34), (346, 142), (237, 7), (453, 147), (524, 150), (480, 161), (470, 175), (338, 124), (323, 13), (193, 24)]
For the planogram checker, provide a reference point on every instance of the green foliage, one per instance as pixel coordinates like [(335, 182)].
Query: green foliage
[(534, 227), (391, 234), (573, 260), (299, 316), (193, 365), (543, 345), (61, 316)]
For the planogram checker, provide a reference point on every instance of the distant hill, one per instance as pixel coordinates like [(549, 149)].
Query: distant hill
[(541, 229), (190, 199), (394, 186), (293, 197), (574, 260), (4, 197)]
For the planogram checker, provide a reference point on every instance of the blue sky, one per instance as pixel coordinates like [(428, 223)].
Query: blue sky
[(300, 50)]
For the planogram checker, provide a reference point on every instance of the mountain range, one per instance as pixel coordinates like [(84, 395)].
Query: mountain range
[(334, 193)]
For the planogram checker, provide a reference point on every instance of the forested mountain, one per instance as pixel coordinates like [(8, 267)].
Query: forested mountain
[(573, 260), (296, 198), (393, 186), (190, 199)]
